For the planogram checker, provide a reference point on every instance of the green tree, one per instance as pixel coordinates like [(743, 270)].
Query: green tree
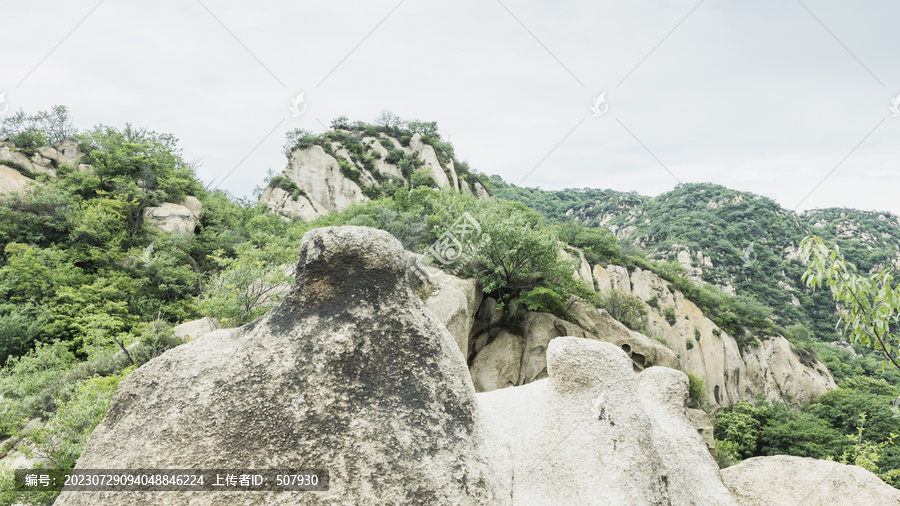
[(870, 304), (247, 285)]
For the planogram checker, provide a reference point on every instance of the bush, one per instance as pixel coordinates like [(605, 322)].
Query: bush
[(627, 309), (422, 177), (696, 390), (286, 184), (543, 300), (670, 315)]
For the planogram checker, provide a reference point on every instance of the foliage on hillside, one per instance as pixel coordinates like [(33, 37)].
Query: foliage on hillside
[(844, 424), (751, 241)]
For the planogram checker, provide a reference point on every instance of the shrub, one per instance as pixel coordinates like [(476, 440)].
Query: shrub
[(544, 300), (286, 184), (654, 302), (629, 310), (422, 177), (670, 315), (690, 345), (696, 391), (697, 335)]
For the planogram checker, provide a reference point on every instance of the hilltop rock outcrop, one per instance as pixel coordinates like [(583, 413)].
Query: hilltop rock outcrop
[(46, 159), (325, 188)]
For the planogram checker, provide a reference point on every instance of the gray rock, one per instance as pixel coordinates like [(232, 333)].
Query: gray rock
[(12, 181), (455, 302), (349, 373), (193, 329), (498, 364), (701, 421), (169, 217), (426, 154), (595, 433), (788, 481), (319, 175)]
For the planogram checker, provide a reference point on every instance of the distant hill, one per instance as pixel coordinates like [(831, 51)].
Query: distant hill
[(742, 242)]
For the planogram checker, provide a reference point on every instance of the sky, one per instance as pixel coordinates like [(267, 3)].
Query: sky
[(790, 99)]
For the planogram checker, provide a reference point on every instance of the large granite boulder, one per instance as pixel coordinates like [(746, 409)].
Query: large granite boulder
[(783, 480), (594, 432), (13, 182), (171, 217), (349, 373)]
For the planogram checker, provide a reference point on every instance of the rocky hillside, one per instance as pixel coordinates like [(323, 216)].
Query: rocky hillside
[(332, 171), (351, 373), (743, 243)]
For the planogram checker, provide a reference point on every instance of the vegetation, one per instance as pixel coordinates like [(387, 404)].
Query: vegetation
[(871, 304), (854, 424), (82, 280)]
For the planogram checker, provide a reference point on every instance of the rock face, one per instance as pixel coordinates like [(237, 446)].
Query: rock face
[(426, 153), (12, 181), (45, 159), (281, 202), (519, 360), (327, 189), (349, 373), (784, 480), (319, 175), (730, 374), (195, 328), (170, 217), (454, 301), (594, 432)]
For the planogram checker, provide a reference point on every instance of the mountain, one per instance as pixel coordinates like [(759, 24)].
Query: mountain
[(745, 244)]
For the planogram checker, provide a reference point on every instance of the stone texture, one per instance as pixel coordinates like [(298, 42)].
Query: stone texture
[(349, 373), (498, 365), (729, 373), (12, 181), (426, 154), (704, 426), (595, 433), (480, 192), (644, 352), (788, 481), (454, 301), (280, 201), (193, 329), (319, 175), (169, 217)]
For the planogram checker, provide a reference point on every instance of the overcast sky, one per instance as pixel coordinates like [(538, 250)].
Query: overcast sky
[(765, 96)]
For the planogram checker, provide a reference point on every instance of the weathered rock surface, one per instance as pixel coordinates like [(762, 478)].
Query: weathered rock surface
[(731, 374), (319, 175), (519, 360), (596, 433), (454, 301), (788, 481), (704, 426), (427, 154), (193, 329), (349, 373), (12, 181), (170, 217), (281, 202), (45, 159)]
